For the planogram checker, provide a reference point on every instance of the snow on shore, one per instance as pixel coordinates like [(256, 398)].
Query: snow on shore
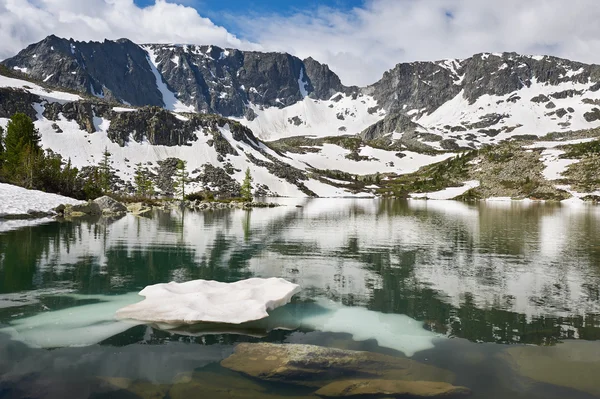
[(18, 202), (447, 193)]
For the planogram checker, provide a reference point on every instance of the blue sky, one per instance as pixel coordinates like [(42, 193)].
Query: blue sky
[(223, 12)]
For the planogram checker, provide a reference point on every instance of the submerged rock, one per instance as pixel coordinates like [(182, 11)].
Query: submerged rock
[(376, 388), (317, 366), (572, 364), (210, 301), (222, 385)]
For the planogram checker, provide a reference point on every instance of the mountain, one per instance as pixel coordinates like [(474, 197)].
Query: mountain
[(442, 105), (218, 150), (206, 79), (292, 121)]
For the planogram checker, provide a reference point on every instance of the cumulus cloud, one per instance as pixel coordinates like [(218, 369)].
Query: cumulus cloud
[(23, 22), (359, 44)]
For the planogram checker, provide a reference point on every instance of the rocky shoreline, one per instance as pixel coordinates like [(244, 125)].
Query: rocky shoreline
[(109, 207)]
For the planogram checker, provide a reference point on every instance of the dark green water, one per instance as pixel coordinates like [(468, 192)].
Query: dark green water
[(508, 295)]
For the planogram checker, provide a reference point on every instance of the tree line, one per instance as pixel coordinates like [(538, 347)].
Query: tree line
[(24, 163)]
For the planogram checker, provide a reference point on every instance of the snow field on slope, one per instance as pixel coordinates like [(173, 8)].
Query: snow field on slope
[(50, 95), (522, 112), (319, 118), (555, 166), (18, 201), (447, 193), (333, 157), (86, 149)]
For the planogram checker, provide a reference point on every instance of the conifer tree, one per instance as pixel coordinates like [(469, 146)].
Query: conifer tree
[(105, 171), (1, 146), (21, 147), (181, 179), (246, 190), (143, 183)]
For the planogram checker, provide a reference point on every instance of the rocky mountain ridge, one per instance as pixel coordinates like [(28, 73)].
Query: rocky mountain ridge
[(206, 79), (446, 104)]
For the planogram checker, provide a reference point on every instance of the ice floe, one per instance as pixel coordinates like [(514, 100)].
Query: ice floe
[(210, 301)]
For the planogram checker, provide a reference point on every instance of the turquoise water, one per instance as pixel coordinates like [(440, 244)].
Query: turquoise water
[(504, 295)]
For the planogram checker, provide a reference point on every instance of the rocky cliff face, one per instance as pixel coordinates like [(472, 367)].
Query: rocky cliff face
[(206, 78), (117, 70)]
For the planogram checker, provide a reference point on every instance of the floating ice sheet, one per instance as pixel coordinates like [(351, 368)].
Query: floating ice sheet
[(210, 301)]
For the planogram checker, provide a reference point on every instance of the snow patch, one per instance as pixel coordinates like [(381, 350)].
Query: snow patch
[(17, 201), (302, 84), (448, 193)]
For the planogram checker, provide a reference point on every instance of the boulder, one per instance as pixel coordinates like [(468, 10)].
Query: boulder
[(109, 206), (87, 209), (317, 366), (375, 388), (138, 208)]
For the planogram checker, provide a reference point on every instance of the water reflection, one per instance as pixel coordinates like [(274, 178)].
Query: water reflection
[(495, 272)]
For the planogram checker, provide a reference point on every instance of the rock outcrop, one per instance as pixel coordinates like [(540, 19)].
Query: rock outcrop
[(209, 79), (110, 206)]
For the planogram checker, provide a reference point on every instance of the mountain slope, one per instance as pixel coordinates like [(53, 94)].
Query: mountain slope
[(217, 150)]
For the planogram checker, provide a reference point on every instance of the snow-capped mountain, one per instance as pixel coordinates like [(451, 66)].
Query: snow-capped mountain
[(217, 150), (148, 103), (442, 105)]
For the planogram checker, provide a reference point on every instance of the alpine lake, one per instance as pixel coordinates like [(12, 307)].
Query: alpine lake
[(502, 298)]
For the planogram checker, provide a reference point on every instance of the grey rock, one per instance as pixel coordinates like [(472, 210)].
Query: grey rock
[(318, 366), (593, 115), (109, 205), (17, 100)]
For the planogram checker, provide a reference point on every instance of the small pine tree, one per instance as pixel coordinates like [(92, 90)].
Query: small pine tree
[(246, 189), (181, 179), (143, 183), (105, 171), (1, 146)]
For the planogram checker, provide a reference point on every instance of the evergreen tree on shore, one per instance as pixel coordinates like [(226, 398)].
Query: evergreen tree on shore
[(142, 181), (105, 171), (22, 150), (181, 179), (246, 190)]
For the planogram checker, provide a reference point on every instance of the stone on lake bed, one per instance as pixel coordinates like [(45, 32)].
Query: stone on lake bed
[(210, 301), (317, 366), (573, 364), (393, 388)]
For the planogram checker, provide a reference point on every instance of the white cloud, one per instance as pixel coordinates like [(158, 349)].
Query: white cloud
[(359, 44), (23, 22)]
